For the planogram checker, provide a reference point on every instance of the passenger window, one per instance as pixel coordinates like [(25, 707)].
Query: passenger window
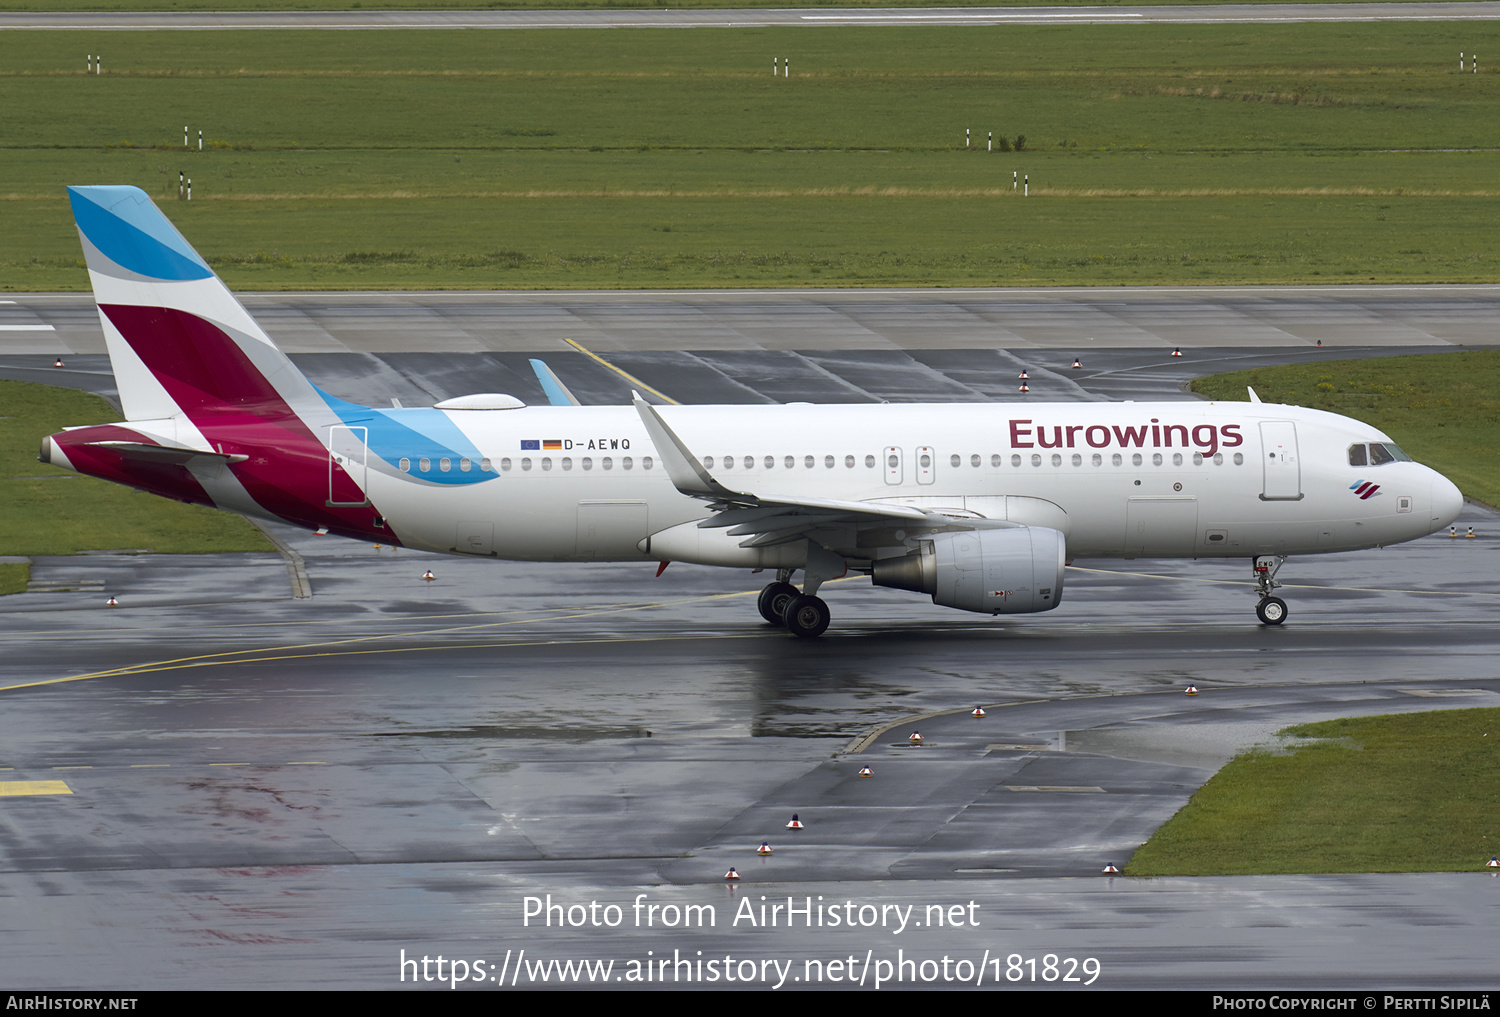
[(425, 465), (869, 462), (995, 461), (405, 465)]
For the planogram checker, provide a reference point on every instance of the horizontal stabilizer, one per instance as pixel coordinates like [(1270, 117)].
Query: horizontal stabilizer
[(179, 455)]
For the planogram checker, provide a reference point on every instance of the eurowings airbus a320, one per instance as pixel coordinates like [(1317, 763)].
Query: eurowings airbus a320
[(977, 506)]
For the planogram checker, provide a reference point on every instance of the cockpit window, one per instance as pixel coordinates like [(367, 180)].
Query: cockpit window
[(1377, 454)]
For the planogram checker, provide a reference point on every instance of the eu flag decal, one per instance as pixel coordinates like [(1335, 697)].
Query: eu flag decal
[(530, 445)]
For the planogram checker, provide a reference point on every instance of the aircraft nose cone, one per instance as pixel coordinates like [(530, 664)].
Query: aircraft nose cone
[(1447, 501)]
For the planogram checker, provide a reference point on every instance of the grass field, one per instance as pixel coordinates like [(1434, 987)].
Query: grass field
[(47, 510), (650, 158), (480, 5), (1404, 793), (1443, 408), (13, 577)]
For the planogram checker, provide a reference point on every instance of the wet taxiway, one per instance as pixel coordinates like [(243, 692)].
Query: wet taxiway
[(217, 785)]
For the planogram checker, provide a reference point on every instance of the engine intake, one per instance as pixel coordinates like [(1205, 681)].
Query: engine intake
[(1011, 571)]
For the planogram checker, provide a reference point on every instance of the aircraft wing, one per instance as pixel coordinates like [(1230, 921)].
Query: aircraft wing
[(767, 519), (558, 394)]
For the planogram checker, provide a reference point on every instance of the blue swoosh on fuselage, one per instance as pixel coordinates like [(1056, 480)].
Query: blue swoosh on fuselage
[(417, 433)]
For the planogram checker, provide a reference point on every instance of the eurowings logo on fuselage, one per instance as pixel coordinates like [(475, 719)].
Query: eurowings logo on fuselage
[(1206, 438), (1364, 489)]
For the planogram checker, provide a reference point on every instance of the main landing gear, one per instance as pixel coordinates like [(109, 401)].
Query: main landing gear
[(774, 600), (800, 614), (1271, 610)]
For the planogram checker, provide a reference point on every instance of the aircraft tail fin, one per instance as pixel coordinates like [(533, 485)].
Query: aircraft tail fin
[(180, 343)]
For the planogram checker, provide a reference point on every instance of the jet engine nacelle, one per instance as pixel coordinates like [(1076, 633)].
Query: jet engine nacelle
[(1009, 571)]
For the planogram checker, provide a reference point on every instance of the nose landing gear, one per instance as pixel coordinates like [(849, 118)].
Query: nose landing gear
[(1271, 610)]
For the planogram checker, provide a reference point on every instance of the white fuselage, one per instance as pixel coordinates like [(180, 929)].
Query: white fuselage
[(1177, 479)]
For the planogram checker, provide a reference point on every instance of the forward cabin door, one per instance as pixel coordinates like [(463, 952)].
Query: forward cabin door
[(1278, 456)]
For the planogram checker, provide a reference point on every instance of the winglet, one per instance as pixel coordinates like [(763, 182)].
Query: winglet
[(687, 473), (1253, 397), (557, 392)]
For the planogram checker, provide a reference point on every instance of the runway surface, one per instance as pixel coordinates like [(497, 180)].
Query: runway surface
[(264, 790), (755, 18)]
